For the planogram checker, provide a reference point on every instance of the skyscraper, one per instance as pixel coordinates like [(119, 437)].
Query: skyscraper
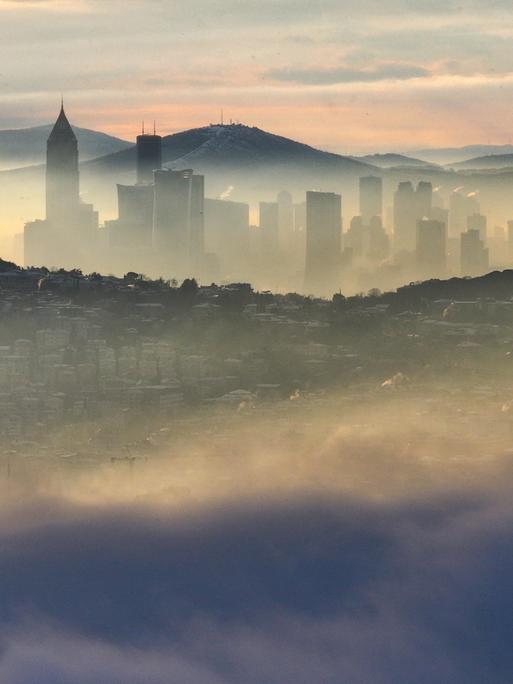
[(133, 228), (68, 235), (227, 235), (405, 217), (410, 205), (424, 199), (285, 219), (149, 156), (478, 222), (323, 242), (431, 249), (269, 222), (371, 197), (474, 255), (178, 221), (461, 205), (62, 183)]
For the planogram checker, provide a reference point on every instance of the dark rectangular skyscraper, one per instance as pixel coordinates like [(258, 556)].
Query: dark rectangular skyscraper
[(149, 157), (323, 242)]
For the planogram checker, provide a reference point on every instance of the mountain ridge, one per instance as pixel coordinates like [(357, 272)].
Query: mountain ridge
[(21, 147)]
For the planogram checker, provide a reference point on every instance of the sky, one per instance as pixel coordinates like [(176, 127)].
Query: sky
[(346, 75)]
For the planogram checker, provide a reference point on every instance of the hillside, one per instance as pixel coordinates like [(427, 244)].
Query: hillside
[(491, 161), (27, 146), (391, 160), (228, 146), (454, 155)]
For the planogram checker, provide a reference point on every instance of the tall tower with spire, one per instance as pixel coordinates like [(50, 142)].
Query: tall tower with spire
[(62, 183), (68, 236)]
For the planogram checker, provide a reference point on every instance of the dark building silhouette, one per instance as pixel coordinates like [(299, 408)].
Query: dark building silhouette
[(62, 181), (431, 250), (149, 156), (323, 242), (371, 197), (68, 235)]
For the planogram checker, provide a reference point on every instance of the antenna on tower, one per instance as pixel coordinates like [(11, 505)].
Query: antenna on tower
[(143, 127), (154, 128)]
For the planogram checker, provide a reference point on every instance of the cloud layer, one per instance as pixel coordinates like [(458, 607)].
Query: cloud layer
[(256, 592)]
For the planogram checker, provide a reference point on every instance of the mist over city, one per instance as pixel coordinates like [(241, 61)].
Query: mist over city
[(256, 342)]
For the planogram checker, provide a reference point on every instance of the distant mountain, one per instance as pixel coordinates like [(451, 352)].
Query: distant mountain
[(390, 160), (491, 161), (253, 164), (453, 155), (27, 146), (232, 146)]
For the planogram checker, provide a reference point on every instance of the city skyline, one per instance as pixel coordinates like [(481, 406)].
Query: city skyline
[(345, 77)]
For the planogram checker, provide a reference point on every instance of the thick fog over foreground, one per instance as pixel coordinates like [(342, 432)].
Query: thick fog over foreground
[(333, 544)]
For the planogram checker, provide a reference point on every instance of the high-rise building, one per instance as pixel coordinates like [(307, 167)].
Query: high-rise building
[(405, 217), (424, 199), (227, 235), (461, 206), (133, 229), (410, 205), (379, 242), (149, 156), (269, 223), (431, 250), (356, 238), (478, 222), (285, 219), (474, 255), (371, 197), (67, 237), (178, 221), (62, 182), (323, 242)]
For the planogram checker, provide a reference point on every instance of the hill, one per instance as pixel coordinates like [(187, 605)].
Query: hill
[(453, 155), (392, 160), (491, 161), (27, 146), (229, 146)]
